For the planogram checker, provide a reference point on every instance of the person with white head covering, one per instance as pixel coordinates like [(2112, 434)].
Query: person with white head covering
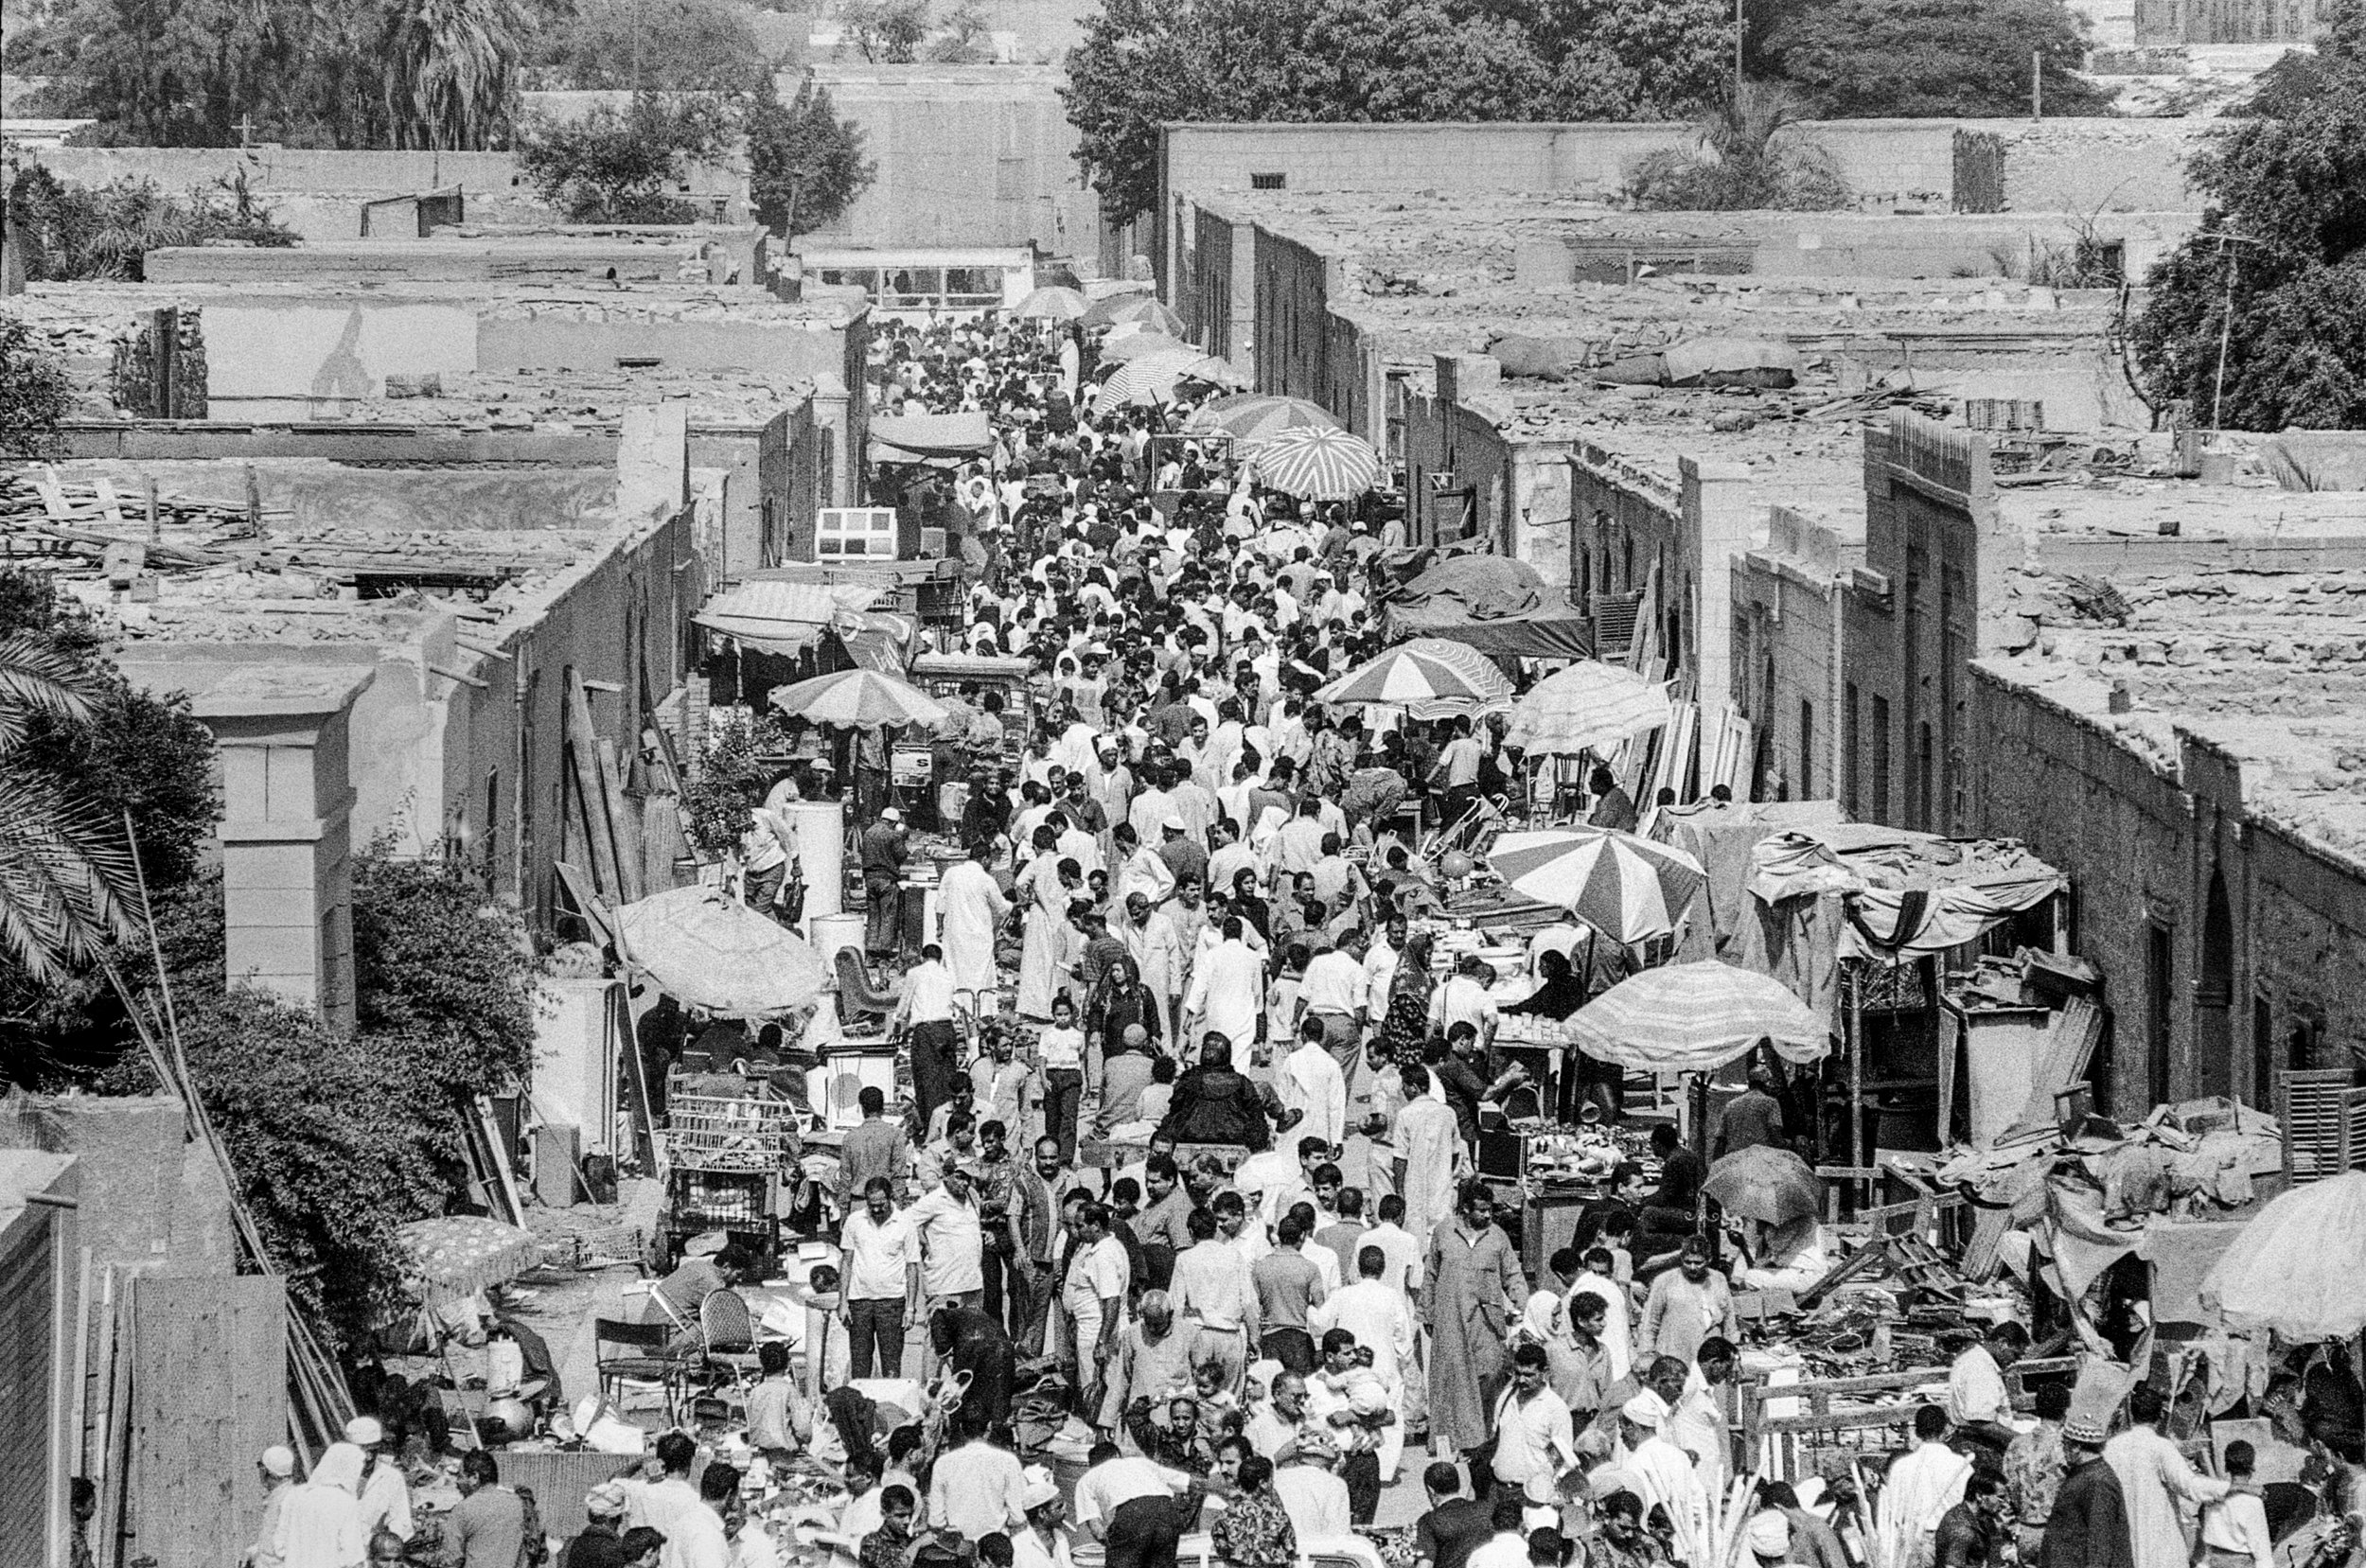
[(1768, 1537), (1042, 1543), (320, 1524), (275, 1468), (384, 1493), (1652, 1468)]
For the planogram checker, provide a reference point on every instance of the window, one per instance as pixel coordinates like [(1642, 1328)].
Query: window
[(2263, 1054), (1880, 759), (1847, 790), (1806, 750), (1268, 182)]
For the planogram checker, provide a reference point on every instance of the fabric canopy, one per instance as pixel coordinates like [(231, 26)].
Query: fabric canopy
[(1429, 679), (707, 949), (784, 618), (1694, 1018), (1629, 888), (918, 438), (452, 1258), (1589, 706), (1907, 895)]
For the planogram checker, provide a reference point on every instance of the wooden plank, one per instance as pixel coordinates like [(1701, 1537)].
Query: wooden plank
[(591, 802), (624, 843), (209, 1390)]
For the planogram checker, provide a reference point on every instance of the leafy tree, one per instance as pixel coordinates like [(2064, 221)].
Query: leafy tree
[(805, 165), (1146, 61), (1874, 59), (729, 779), (620, 168), (2277, 270), (885, 33), (36, 393), (79, 233), (1748, 156), (963, 41), (449, 68), (670, 46)]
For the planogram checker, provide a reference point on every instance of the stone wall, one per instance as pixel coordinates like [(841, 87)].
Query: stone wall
[(2077, 165), (317, 192), (1787, 655)]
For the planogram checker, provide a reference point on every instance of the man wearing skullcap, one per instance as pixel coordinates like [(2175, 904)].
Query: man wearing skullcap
[(602, 1543)]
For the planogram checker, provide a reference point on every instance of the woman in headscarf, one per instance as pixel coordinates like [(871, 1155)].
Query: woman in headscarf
[(320, 1525), (1407, 1022)]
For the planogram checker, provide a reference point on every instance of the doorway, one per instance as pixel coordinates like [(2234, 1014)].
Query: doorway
[(2160, 996), (2214, 995)]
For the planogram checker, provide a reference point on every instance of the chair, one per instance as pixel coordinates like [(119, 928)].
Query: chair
[(728, 1334), (856, 1000), (647, 1359)]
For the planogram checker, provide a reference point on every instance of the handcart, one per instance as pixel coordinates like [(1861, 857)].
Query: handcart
[(734, 1164)]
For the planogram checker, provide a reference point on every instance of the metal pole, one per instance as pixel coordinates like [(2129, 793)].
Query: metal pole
[(1736, 54), (2226, 330), (2037, 84)]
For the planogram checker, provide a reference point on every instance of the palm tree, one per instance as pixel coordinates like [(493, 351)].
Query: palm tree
[(1744, 155), (67, 880), (448, 65)]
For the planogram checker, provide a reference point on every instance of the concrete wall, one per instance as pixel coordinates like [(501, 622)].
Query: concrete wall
[(1787, 657), (2144, 847), (2085, 165), (316, 192), (966, 155), (2078, 165), (1508, 487)]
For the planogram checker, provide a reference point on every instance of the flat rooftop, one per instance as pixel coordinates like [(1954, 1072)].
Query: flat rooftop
[(585, 401), (2137, 507), (493, 301), (2269, 667)]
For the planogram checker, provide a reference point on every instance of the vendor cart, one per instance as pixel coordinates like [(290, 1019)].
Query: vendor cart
[(944, 675), (733, 1164)]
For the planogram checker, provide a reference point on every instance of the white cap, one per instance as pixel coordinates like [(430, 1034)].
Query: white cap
[(365, 1432), (1645, 1409), (1174, 821), (893, 814), (1039, 1488), (1770, 1535), (279, 1460)]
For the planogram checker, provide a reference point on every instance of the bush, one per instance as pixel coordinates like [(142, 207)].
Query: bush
[(613, 167), (82, 234), (36, 394)]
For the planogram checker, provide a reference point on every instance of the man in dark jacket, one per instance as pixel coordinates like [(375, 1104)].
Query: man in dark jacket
[(2088, 1525)]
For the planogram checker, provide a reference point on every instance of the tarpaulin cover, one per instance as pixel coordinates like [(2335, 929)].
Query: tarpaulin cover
[(916, 438), (1551, 358), (1496, 605), (1907, 895), (1796, 943), (1749, 362), (783, 617)]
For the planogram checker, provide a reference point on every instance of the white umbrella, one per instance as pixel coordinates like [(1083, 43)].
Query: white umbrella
[(1588, 707), (2300, 1266), (1694, 1018), (1053, 303), (1315, 464), (1629, 888), (858, 700), (707, 949)]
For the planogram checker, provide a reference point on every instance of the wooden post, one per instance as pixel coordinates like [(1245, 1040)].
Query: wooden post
[(583, 748), (1853, 977)]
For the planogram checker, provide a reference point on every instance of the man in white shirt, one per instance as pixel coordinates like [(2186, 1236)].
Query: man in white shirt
[(1508, 1547), (1429, 1145), (1334, 991), (1458, 770), (1227, 991), (1092, 1294), (1382, 1321), (1231, 855), (1134, 1508), (1924, 1483), (926, 1012), (699, 1539), (1299, 847), (385, 1495), (1399, 1246), (1978, 1402), (1465, 999), (977, 1489), (663, 1504), (1380, 968), (1310, 1082), (882, 1287), (947, 1222), (1532, 1433)]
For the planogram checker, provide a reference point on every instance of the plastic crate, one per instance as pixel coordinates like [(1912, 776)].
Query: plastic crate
[(712, 1132)]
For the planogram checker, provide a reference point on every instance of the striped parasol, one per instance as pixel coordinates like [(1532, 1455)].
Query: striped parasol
[(1626, 887), (1145, 308), (1694, 1018), (1153, 379), (1315, 464), (1052, 302), (1590, 706), (1248, 416), (858, 700), (1428, 677)]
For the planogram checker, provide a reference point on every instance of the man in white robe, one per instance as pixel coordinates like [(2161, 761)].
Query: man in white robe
[(973, 908)]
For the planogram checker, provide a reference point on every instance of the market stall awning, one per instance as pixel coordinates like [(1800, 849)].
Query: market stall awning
[(1907, 895), (453, 1258), (2296, 1267), (784, 618), (919, 437), (1590, 706)]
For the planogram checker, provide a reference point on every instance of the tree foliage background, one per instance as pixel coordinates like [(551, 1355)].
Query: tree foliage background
[(1143, 61), (2277, 270), (1881, 59), (103, 233)]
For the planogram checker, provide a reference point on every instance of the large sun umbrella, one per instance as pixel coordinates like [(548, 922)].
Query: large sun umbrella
[(2300, 1266), (1693, 1017), (858, 700), (1314, 463), (1153, 379), (1053, 303), (1428, 677), (1248, 416), (1135, 307), (1765, 1183), (1142, 346), (1588, 707), (705, 948), (451, 1259), (1625, 887)]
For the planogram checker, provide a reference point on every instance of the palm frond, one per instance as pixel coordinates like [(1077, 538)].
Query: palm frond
[(67, 880), (36, 678)]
